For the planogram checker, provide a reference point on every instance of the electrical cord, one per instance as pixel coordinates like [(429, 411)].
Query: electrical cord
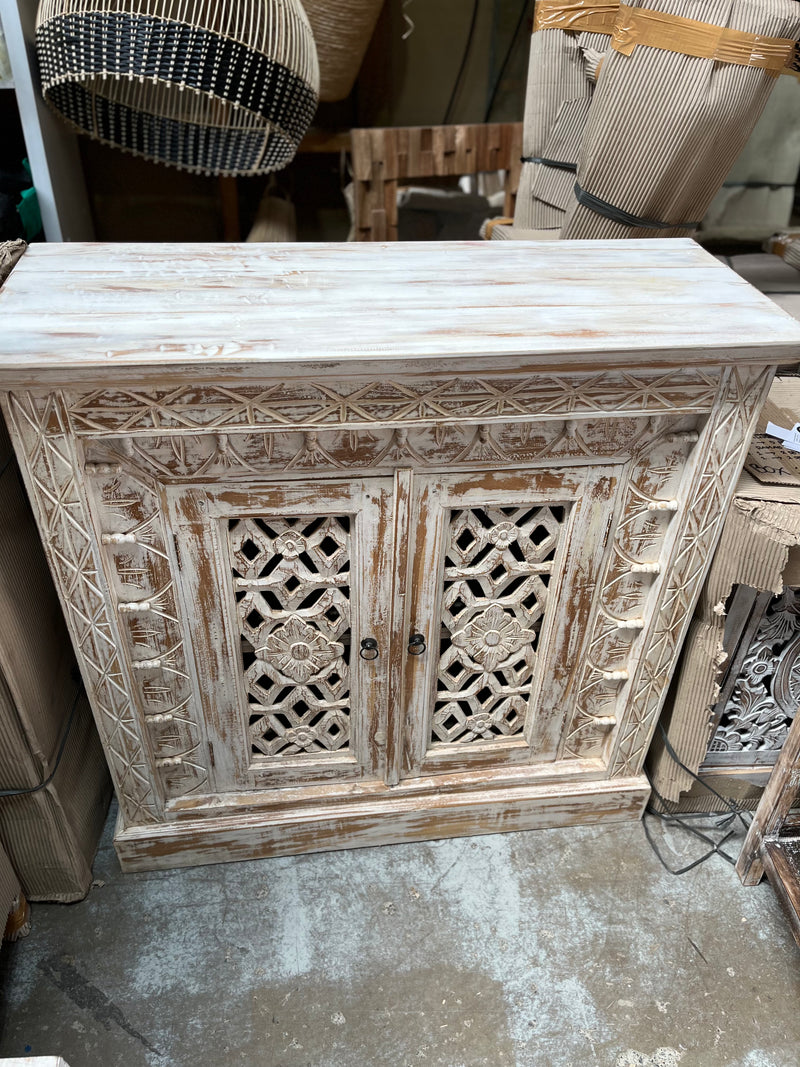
[(676, 759), (722, 824), (464, 57), (504, 64), (62, 746), (715, 847)]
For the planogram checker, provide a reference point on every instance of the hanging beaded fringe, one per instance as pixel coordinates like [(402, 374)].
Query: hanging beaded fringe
[(210, 88)]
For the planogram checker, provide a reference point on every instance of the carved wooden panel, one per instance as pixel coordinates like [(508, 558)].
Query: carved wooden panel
[(143, 588), (649, 508), (292, 582), (237, 455), (289, 592), (497, 568), (501, 596), (766, 696), (55, 485), (707, 493)]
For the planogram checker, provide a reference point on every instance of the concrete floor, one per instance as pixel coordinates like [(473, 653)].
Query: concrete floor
[(553, 948)]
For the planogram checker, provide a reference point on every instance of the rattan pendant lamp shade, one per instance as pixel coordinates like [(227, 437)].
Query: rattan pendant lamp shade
[(210, 86)]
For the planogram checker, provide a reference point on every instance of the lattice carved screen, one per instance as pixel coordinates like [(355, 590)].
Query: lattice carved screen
[(766, 696), (498, 566), (292, 582)]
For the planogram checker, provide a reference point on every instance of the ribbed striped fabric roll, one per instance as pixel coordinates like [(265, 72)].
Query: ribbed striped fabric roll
[(664, 129), (561, 77), (792, 254)]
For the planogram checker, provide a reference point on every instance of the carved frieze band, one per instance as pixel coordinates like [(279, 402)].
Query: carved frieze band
[(225, 456), (723, 446), (364, 403), (54, 483)]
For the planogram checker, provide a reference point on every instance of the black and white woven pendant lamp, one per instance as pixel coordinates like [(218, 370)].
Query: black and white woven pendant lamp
[(227, 87)]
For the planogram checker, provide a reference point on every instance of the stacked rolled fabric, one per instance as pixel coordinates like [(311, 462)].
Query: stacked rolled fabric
[(566, 50), (664, 126), (757, 196)]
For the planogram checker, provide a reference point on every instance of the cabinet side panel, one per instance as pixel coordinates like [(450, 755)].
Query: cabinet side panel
[(718, 461), (53, 478), (143, 580)]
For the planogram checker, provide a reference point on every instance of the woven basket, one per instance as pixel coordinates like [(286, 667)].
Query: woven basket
[(342, 30), (665, 128), (214, 88)]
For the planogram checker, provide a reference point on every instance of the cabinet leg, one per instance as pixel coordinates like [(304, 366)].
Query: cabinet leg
[(19, 921)]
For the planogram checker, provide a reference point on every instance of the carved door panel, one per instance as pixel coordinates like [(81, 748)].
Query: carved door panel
[(287, 587), (503, 578)]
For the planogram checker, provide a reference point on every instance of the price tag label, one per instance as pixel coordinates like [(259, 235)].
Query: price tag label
[(772, 464), (790, 438)]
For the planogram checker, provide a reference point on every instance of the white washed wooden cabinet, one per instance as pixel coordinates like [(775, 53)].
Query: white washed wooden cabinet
[(367, 543)]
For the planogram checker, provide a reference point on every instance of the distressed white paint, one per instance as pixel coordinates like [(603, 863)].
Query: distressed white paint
[(587, 304), (158, 396)]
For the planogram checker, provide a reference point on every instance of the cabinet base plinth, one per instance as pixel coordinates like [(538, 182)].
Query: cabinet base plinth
[(358, 823)]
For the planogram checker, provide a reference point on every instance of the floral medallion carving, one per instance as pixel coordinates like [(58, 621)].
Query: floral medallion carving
[(491, 637), (299, 651)]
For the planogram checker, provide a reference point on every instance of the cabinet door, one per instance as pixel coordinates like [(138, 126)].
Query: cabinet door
[(284, 586), (502, 581)]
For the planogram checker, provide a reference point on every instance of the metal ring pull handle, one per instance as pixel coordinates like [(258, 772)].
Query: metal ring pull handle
[(416, 644), (369, 648)]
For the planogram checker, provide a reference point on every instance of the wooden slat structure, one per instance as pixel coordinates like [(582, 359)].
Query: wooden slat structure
[(772, 845), (385, 157)]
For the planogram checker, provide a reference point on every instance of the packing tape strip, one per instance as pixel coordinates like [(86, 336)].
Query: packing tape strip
[(582, 16), (672, 33)]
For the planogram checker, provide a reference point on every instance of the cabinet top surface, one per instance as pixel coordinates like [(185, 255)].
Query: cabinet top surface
[(71, 309)]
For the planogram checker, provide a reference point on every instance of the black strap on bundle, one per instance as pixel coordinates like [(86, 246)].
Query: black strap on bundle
[(616, 214), (557, 163), (758, 185)]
